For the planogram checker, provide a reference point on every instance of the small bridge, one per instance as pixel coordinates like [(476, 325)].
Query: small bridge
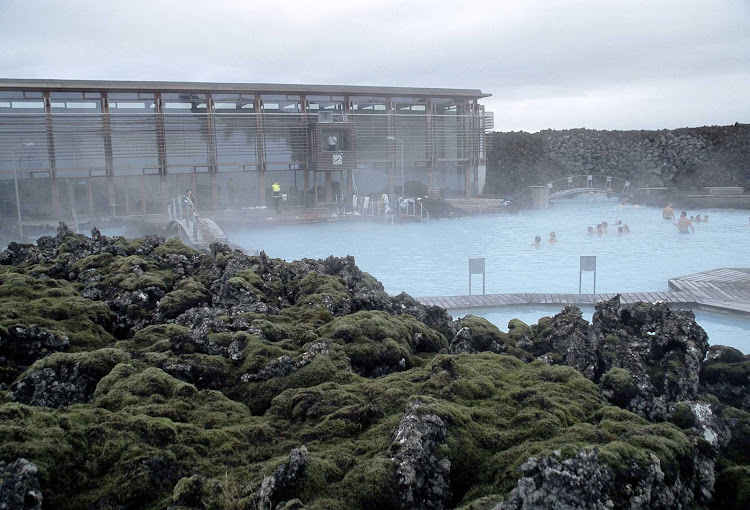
[(186, 223), (590, 183)]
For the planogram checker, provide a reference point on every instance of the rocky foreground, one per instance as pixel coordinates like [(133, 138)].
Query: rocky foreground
[(143, 374)]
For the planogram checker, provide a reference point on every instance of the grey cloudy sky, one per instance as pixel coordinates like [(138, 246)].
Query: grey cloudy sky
[(600, 64)]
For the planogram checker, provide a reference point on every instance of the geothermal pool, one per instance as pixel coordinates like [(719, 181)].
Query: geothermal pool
[(430, 258)]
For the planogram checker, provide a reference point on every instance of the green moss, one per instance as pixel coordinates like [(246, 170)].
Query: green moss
[(732, 490), (683, 416), (174, 246), (620, 384), (150, 335), (187, 294), (95, 364), (56, 306), (517, 330), (126, 385), (150, 440), (372, 484), (484, 333), (736, 373), (129, 246)]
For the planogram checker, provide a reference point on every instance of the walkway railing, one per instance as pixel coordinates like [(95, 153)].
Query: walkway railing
[(575, 184), (390, 206), (180, 209)]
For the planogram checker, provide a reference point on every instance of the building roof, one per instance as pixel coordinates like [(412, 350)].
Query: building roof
[(263, 88)]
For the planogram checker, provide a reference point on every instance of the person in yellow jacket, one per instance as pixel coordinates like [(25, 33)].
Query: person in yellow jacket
[(276, 192)]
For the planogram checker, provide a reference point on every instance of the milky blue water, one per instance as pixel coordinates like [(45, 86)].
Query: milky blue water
[(431, 258)]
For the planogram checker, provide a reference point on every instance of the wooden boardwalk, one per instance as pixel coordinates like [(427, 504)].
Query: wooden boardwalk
[(724, 289)]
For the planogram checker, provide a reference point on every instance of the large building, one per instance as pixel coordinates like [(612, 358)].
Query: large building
[(95, 148)]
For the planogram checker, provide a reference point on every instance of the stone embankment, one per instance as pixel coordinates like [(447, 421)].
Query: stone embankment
[(684, 159), (143, 374)]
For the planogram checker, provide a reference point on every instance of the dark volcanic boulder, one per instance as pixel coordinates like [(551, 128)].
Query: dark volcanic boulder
[(644, 356), (661, 350), (422, 476), (26, 345), (281, 479), (192, 492), (726, 374), (583, 482), (570, 337), (65, 378), (561, 484), (19, 486), (477, 334)]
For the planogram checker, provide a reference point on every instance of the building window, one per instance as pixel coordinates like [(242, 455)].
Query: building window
[(335, 140)]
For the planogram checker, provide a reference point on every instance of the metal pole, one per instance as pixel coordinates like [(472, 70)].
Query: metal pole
[(18, 199), (594, 283), (403, 184)]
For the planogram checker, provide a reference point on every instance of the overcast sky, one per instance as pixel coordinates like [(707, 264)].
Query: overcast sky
[(600, 64)]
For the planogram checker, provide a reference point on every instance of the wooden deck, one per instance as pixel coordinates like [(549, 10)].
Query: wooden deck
[(724, 290)]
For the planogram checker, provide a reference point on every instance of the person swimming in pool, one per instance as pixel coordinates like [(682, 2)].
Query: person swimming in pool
[(683, 224), (697, 218), (537, 242), (668, 212), (591, 231), (552, 237)]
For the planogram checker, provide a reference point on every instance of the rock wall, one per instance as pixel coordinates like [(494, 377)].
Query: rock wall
[(686, 159)]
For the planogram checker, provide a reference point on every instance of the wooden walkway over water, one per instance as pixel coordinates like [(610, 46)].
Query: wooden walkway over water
[(723, 290)]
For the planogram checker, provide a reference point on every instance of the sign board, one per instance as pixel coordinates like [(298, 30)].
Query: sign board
[(476, 266), (588, 263)]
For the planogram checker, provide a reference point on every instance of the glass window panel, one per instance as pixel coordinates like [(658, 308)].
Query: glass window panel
[(66, 95), (90, 106), (335, 140), (127, 105), (122, 95), (33, 95), (188, 96), (28, 104), (178, 105), (82, 105)]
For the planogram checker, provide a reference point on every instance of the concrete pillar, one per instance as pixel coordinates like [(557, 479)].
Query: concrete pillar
[(467, 182), (539, 197)]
